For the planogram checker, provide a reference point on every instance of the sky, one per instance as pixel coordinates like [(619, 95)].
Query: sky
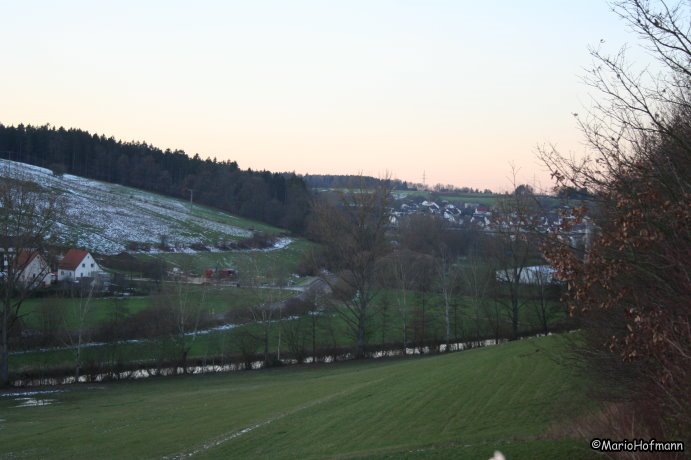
[(455, 91)]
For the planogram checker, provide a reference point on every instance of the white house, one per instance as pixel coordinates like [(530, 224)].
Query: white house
[(33, 269), (77, 263)]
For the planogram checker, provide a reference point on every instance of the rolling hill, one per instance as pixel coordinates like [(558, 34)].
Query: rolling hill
[(109, 218)]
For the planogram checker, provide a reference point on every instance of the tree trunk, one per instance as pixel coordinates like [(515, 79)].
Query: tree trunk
[(514, 318), (4, 346), (314, 338), (78, 357), (447, 318), (4, 364), (360, 347), (543, 306), (405, 335), (455, 322), (424, 320), (280, 330)]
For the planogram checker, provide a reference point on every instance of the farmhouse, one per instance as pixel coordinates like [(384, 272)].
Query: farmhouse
[(32, 268), (77, 263)]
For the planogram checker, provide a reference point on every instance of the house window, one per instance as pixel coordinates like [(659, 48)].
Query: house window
[(83, 265), (92, 265)]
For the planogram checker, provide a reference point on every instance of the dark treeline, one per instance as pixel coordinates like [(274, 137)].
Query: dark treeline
[(277, 199), (341, 181), (331, 181)]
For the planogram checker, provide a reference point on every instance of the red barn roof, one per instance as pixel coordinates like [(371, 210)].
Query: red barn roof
[(72, 259)]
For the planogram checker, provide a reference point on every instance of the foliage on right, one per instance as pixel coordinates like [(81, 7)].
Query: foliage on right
[(632, 283)]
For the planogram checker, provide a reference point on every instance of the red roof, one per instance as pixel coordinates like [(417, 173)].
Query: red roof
[(72, 259), (24, 258)]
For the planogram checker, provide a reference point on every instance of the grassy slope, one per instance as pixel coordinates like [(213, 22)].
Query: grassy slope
[(123, 195), (463, 405), (103, 216), (276, 262)]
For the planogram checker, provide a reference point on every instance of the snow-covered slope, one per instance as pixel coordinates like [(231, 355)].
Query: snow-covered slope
[(107, 217)]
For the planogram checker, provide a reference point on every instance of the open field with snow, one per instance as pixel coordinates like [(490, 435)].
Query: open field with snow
[(104, 217), (271, 263), (516, 397)]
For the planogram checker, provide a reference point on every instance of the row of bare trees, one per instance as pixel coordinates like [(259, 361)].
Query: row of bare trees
[(425, 259)]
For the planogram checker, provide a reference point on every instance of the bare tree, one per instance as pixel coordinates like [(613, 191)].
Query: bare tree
[(477, 280), (28, 217), (247, 343), (546, 291), (446, 282), (353, 233), (493, 312), (398, 271), (80, 314), (401, 264), (297, 339), (262, 315), (384, 312), (183, 307), (513, 245), (635, 279), (112, 330), (267, 306)]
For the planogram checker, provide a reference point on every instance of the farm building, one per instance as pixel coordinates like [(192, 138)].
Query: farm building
[(77, 263), (32, 268)]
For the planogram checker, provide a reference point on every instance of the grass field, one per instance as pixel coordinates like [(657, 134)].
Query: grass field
[(217, 299), (280, 262), (461, 405), (490, 200), (384, 327), (455, 198)]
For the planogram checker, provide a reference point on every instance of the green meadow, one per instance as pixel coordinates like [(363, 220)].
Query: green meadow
[(509, 397), (286, 335), (213, 299)]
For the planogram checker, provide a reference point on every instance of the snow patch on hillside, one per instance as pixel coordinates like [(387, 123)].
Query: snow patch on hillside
[(104, 217)]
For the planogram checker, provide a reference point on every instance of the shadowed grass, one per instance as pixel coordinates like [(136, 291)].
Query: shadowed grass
[(461, 405)]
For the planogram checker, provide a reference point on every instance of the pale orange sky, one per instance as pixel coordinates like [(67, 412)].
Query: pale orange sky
[(457, 89)]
